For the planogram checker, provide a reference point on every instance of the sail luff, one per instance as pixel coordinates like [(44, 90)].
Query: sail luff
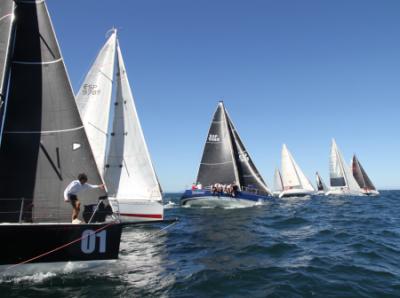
[(94, 100), (290, 176), (228, 131), (6, 28), (138, 179)]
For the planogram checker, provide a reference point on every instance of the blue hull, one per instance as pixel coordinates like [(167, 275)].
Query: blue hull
[(190, 196)]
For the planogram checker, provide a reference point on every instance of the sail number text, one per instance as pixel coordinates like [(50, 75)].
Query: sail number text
[(213, 138), (91, 240), (90, 89)]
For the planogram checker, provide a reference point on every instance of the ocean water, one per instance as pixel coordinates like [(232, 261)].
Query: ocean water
[(299, 247)]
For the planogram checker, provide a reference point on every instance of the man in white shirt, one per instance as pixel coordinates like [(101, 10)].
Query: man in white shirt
[(70, 194)]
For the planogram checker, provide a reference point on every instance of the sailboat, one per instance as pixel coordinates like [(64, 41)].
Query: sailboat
[(278, 184), (119, 147), (366, 185), (321, 187), (295, 183), (43, 147), (227, 174), (341, 178)]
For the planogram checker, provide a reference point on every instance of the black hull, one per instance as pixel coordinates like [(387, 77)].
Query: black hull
[(58, 242)]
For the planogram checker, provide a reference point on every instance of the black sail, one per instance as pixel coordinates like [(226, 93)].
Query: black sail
[(361, 176), (249, 176), (44, 145), (218, 164), (6, 21), (320, 184)]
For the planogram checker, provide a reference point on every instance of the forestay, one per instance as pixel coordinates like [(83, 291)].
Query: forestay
[(6, 21), (94, 98)]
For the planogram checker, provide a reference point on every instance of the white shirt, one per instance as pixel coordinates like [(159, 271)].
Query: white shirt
[(76, 187)]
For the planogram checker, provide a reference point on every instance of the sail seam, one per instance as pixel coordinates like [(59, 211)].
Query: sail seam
[(43, 131), (37, 63)]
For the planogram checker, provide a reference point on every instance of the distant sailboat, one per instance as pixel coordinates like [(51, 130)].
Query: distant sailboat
[(126, 166), (366, 185), (278, 185), (341, 178), (321, 187), (295, 183), (226, 161)]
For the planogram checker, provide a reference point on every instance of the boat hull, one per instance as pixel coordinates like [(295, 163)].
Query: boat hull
[(24, 243), (295, 193), (205, 198), (370, 192), (137, 210), (342, 192)]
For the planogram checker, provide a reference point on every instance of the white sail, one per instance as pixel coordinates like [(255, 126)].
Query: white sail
[(93, 100), (138, 180), (340, 174), (292, 175), (278, 187)]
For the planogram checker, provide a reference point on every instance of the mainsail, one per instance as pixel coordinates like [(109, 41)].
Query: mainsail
[(292, 175), (278, 185), (340, 174), (6, 22), (225, 159), (129, 170), (320, 183), (94, 98), (360, 175), (218, 164), (44, 144)]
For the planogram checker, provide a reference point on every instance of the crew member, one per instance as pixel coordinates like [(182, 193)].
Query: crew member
[(70, 194)]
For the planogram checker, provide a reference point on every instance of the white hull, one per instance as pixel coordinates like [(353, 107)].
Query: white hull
[(137, 210), (295, 193), (342, 192), (219, 202), (370, 192), (276, 193)]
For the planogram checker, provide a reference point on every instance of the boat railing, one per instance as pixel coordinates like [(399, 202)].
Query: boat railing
[(22, 210)]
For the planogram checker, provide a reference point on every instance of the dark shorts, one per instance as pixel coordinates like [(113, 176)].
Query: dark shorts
[(72, 199)]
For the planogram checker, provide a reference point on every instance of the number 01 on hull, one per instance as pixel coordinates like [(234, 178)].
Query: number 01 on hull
[(59, 242)]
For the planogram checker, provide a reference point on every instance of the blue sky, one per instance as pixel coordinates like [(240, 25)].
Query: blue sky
[(294, 72)]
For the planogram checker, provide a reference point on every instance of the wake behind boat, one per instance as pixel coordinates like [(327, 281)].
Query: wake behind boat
[(226, 171)]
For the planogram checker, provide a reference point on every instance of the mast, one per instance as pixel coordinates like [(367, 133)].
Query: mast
[(248, 174), (44, 144), (235, 166), (129, 168)]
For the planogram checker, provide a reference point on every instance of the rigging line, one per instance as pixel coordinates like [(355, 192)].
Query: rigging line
[(149, 236), (43, 131), (103, 132), (106, 76), (59, 247)]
